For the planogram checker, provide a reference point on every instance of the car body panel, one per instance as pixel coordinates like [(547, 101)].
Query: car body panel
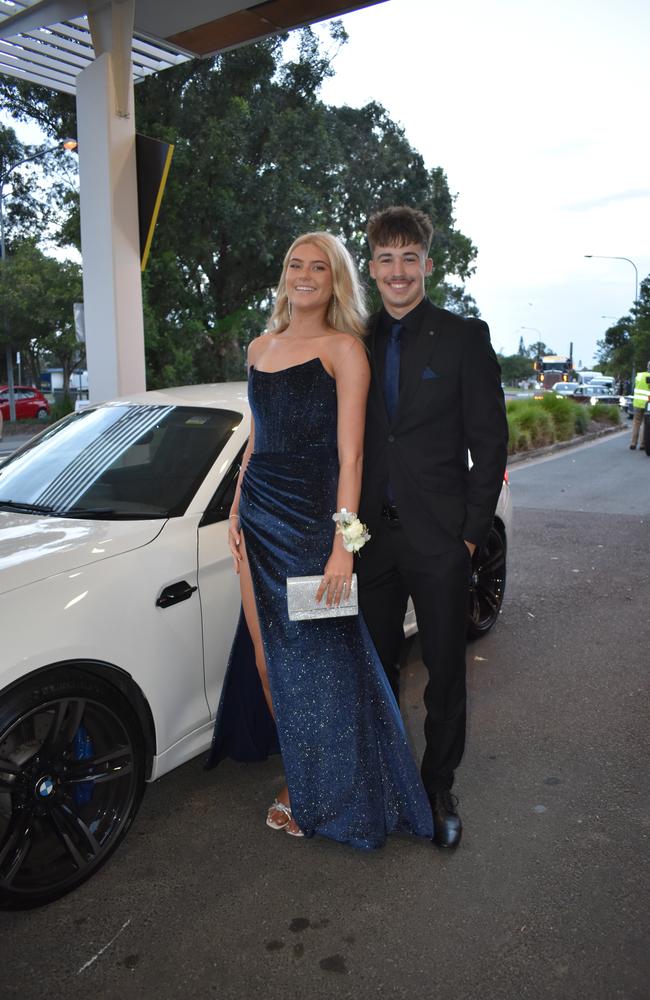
[(106, 612), (33, 547)]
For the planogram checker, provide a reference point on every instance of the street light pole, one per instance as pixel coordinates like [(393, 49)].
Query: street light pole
[(68, 144), (598, 256)]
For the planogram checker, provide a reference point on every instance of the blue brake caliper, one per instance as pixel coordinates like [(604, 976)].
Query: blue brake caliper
[(83, 749)]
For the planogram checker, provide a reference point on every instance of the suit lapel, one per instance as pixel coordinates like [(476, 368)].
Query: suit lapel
[(376, 394)]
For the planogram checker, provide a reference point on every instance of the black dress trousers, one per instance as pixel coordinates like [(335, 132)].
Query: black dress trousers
[(389, 570)]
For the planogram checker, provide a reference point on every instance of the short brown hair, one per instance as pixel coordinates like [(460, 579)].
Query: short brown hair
[(399, 225)]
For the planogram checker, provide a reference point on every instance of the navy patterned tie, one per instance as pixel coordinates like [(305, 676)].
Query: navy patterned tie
[(391, 369)]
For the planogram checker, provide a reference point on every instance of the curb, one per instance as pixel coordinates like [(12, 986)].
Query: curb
[(549, 449)]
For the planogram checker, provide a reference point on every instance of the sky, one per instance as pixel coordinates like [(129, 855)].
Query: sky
[(536, 112)]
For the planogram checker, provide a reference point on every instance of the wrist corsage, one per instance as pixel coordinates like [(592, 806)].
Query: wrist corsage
[(353, 532)]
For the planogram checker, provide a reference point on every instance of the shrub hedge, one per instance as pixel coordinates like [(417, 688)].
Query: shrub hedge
[(534, 423)]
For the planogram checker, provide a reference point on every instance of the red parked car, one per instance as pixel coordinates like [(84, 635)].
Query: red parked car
[(30, 403)]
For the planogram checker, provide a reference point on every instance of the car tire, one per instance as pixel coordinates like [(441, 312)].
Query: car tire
[(488, 584), (42, 414), (72, 772)]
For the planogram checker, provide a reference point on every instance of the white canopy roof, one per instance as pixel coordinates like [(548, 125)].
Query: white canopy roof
[(48, 42)]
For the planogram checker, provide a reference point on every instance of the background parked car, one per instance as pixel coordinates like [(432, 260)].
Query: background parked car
[(593, 394), (113, 541), (30, 403), (565, 388)]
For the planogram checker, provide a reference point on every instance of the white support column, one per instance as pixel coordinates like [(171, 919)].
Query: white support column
[(110, 241)]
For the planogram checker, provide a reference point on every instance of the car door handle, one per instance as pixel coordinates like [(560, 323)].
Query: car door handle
[(174, 594)]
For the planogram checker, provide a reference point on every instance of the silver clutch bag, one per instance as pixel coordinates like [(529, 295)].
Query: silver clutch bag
[(302, 604)]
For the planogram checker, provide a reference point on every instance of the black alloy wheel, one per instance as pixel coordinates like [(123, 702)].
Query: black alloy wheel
[(71, 780), (487, 585)]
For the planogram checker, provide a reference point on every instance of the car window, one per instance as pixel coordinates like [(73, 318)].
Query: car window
[(120, 460), (219, 507)]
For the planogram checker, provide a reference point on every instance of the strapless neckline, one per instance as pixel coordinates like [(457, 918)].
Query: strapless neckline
[(303, 364)]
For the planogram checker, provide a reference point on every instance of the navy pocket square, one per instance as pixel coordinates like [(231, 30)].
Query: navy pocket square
[(429, 373)]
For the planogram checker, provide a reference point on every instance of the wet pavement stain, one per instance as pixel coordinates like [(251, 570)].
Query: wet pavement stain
[(298, 924), (334, 963), (274, 945), (298, 950)]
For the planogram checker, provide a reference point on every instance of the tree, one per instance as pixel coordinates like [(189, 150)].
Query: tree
[(626, 345), (33, 192), (538, 349), (258, 159), (515, 368), (521, 350), (38, 297)]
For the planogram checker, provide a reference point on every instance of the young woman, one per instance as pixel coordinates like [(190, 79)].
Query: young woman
[(314, 690)]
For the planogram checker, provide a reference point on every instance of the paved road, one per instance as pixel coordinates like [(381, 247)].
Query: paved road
[(544, 899)]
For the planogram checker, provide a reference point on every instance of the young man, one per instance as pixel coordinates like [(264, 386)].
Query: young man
[(435, 392)]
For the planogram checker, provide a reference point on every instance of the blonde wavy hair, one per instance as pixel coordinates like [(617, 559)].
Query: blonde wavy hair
[(347, 309)]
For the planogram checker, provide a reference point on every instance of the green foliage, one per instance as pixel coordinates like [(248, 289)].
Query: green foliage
[(61, 409), (581, 415), (626, 345), (604, 413), (258, 160), (20, 208), (515, 368), (30, 208), (36, 301), (534, 423), (538, 349), (565, 414), (519, 438), (529, 422)]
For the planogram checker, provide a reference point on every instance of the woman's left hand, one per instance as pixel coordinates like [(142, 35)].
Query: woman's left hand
[(337, 576)]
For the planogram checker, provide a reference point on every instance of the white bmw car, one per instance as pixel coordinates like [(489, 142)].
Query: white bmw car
[(118, 604)]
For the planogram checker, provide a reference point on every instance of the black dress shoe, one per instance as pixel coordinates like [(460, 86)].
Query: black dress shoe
[(447, 827)]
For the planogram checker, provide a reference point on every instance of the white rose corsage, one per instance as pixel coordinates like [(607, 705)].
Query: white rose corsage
[(353, 532)]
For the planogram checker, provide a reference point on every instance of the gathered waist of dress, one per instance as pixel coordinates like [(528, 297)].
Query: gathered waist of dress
[(307, 451)]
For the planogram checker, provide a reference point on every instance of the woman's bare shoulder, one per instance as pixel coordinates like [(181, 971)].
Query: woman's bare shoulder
[(345, 348), (258, 346)]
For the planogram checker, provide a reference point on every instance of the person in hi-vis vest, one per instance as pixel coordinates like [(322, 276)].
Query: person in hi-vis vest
[(639, 402)]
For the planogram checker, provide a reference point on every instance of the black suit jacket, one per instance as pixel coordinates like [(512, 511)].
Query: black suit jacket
[(450, 401)]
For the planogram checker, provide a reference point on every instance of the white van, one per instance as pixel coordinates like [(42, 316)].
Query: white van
[(584, 378)]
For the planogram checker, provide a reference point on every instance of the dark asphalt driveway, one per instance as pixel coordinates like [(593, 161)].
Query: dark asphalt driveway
[(544, 899)]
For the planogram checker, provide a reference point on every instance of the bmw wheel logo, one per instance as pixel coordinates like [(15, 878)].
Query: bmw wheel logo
[(45, 787)]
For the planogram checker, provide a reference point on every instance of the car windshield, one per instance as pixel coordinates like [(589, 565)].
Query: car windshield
[(117, 461)]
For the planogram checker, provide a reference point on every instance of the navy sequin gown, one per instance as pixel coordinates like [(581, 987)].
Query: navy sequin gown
[(349, 770)]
